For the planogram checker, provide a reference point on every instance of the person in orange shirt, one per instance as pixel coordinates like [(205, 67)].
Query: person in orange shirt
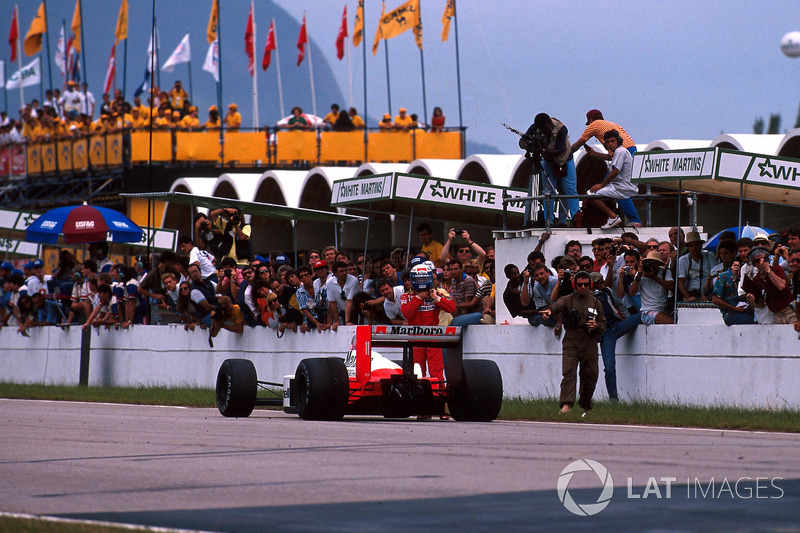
[(191, 122), (213, 122), (358, 122), (403, 121), (162, 120), (233, 120), (597, 127), (386, 124)]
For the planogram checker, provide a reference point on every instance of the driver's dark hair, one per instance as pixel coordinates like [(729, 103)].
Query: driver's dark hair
[(582, 274)]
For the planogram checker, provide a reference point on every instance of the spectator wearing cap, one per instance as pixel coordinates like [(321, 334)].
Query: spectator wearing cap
[(694, 269), (763, 240), (771, 281), (386, 124), (213, 122), (653, 283), (597, 127), (233, 120), (38, 283), (735, 309), (619, 322), (175, 121), (403, 121), (191, 121)]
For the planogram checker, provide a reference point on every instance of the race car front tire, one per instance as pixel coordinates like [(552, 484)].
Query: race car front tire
[(322, 388), (479, 396), (237, 387)]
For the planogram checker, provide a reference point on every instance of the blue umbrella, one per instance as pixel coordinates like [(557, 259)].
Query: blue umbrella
[(746, 231), (82, 224)]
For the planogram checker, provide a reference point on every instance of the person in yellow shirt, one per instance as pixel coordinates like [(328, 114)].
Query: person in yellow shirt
[(233, 120), (403, 121), (177, 95), (144, 111), (138, 122), (213, 122), (386, 124), (100, 125), (358, 122), (175, 121), (162, 120), (191, 122), (331, 117)]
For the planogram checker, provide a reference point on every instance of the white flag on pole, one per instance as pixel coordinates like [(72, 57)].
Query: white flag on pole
[(61, 52), (211, 63), (31, 74), (182, 54)]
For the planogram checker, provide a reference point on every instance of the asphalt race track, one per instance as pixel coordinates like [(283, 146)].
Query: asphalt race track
[(194, 469)]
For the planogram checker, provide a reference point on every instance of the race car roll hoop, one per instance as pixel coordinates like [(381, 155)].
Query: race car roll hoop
[(367, 383)]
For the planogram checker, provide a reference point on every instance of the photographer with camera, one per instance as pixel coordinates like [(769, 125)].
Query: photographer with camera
[(652, 283), (463, 251), (206, 234), (547, 143), (770, 281), (230, 278), (734, 308), (584, 322), (235, 238), (694, 269)]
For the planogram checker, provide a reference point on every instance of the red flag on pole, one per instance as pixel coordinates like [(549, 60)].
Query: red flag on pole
[(249, 44), (13, 35), (302, 39), (269, 47), (342, 35), (111, 70)]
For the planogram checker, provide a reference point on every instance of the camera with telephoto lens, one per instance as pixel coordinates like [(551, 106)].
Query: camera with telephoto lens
[(568, 274), (228, 272), (458, 231), (205, 225)]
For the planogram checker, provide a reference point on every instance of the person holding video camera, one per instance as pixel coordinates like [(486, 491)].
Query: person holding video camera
[(584, 322), (547, 139), (653, 283), (235, 237)]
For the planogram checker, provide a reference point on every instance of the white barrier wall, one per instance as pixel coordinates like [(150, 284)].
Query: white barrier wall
[(750, 366)]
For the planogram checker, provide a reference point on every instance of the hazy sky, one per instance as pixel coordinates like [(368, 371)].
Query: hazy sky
[(662, 69)]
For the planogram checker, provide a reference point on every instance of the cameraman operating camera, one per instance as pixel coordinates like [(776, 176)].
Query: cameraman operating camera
[(235, 234), (547, 138)]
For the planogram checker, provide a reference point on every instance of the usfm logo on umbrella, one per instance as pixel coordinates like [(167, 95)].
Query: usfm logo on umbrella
[(84, 224), (120, 224)]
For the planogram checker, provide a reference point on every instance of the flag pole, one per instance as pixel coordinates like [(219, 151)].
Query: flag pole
[(422, 70), (364, 60), (5, 92), (66, 58), (191, 91), (124, 68), (388, 83), (219, 85), (278, 64), (47, 41), (156, 50), (83, 52), (19, 60), (458, 70), (311, 74), (255, 69), (349, 72)]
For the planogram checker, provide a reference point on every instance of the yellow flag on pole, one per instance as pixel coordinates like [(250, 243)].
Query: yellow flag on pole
[(33, 39), (358, 25), (449, 13), (392, 24), (76, 27), (211, 34), (379, 32), (122, 22)]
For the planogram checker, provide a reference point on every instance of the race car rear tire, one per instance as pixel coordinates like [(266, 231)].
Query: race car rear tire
[(237, 387), (322, 388), (479, 396)]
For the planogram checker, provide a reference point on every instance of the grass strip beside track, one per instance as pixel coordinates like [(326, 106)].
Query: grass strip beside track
[(545, 410)]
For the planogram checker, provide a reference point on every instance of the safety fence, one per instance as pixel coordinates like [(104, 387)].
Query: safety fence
[(266, 147)]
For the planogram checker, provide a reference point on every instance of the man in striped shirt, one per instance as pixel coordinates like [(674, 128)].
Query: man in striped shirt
[(597, 127)]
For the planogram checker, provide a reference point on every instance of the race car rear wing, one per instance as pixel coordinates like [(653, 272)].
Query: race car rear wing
[(408, 337)]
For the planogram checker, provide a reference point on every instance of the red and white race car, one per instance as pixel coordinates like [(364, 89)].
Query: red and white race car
[(367, 383)]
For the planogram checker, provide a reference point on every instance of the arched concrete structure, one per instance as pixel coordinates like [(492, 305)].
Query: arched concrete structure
[(368, 169), (441, 168), (675, 144), (281, 187), (492, 169), (179, 216), (749, 142), (790, 144), (244, 186)]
